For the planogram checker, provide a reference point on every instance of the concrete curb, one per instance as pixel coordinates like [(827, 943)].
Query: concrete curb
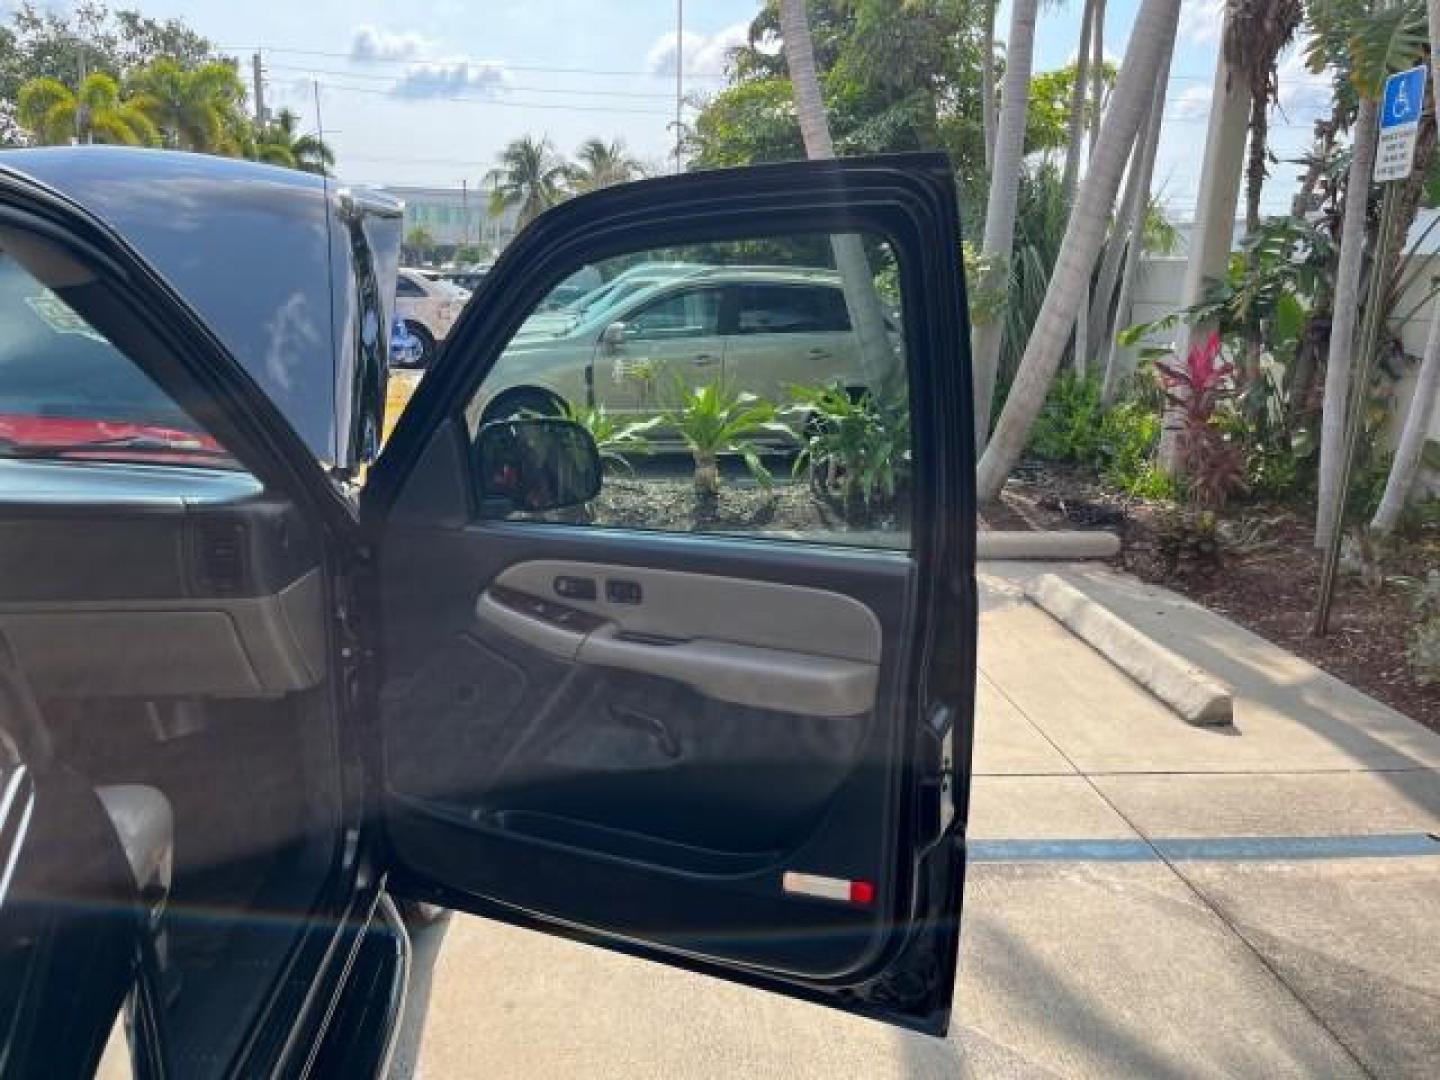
[(1191, 691), (1052, 546)]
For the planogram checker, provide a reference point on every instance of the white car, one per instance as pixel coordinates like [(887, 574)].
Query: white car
[(429, 307)]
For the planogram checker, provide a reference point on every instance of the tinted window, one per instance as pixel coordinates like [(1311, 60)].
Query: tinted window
[(63, 384), (405, 287), (791, 309), (692, 313)]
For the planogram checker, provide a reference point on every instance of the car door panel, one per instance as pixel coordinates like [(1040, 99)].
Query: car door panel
[(727, 753)]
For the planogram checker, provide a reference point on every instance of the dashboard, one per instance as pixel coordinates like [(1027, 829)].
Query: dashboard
[(156, 581)]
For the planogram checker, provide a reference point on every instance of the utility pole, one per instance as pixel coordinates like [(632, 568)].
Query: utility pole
[(80, 124), (259, 74), (465, 208), (679, 73)]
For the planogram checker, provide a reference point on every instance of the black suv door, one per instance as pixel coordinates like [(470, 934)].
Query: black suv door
[(720, 717)]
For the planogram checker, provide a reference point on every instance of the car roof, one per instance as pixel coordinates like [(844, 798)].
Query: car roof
[(251, 248)]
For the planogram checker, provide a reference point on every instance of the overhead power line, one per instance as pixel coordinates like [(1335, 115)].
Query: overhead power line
[(443, 60), (493, 103)]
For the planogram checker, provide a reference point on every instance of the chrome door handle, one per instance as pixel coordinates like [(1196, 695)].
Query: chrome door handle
[(819, 354), (705, 358)]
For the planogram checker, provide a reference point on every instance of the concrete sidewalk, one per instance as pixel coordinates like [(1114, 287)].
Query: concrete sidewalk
[(1145, 898)]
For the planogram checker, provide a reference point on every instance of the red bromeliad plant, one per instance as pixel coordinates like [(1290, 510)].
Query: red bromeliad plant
[(1197, 388)]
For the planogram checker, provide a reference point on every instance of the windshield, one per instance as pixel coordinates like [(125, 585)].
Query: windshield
[(66, 391)]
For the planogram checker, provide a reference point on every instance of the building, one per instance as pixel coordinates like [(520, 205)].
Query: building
[(455, 216)]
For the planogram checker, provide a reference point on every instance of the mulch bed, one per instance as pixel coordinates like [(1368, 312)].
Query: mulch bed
[(1266, 579)]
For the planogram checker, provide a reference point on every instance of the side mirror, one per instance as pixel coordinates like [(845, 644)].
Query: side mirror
[(613, 335), (531, 465)]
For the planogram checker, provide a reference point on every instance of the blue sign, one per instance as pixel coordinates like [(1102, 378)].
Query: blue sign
[(1404, 98)]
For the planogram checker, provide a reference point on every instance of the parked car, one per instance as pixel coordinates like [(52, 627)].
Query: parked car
[(406, 349), (469, 279), (251, 715), (249, 247), (586, 279), (624, 285), (429, 306), (758, 329)]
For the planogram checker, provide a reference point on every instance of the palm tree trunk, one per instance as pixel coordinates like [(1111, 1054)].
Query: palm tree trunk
[(1097, 73), (1075, 141), (1413, 435), (986, 335), (1427, 384), (987, 87), (1151, 38), (867, 316), (1343, 324), (1116, 247), (1116, 369)]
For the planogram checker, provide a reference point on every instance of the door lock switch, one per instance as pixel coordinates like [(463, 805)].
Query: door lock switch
[(620, 591)]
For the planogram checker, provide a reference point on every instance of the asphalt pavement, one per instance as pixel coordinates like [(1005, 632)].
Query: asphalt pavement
[(1145, 898)]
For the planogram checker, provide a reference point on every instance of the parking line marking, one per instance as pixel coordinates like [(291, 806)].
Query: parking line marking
[(1208, 849)]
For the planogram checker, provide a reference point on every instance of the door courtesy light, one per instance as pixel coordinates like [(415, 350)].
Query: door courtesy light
[(852, 892)]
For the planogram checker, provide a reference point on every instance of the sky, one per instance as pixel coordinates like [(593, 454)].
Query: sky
[(428, 91)]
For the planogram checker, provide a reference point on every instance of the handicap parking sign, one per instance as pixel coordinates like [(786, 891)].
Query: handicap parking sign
[(1400, 110)]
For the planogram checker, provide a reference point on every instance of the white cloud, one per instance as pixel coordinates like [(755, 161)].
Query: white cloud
[(1201, 20), (1193, 103), (450, 78), (370, 43), (1301, 88), (702, 54)]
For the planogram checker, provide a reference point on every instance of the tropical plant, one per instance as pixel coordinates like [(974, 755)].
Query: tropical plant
[(1415, 431), (530, 177), (419, 240), (281, 142), (855, 448), (1197, 387), (1152, 37), (600, 164), (614, 438), (55, 114), (1068, 426), (712, 420), (200, 109)]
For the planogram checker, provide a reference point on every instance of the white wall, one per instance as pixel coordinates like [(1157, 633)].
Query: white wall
[(1157, 293)]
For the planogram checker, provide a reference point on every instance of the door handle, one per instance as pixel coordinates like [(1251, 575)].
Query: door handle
[(701, 359), (819, 354)]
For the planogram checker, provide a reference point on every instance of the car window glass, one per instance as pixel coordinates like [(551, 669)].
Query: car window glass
[(66, 391), (771, 433), (405, 287), (689, 313), (791, 309)]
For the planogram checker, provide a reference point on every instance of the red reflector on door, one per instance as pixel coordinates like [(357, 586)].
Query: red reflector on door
[(855, 892)]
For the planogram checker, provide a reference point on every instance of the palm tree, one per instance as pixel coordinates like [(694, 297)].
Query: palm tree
[(1152, 36), (200, 109), (530, 176), (877, 357), (1427, 384), (1076, 134), (1256, 32), (600, 164), (1137, 212), (1000, 207), (280, 143), (54, 113), (987, 85)]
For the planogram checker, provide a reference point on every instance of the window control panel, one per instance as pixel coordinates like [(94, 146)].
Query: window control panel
[(569, 587), (567, 618)]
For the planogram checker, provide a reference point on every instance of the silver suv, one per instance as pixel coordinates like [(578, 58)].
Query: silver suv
[(761, 329)]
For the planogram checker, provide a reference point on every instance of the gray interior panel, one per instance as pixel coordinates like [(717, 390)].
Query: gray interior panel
[(235, 647), (683, 605)]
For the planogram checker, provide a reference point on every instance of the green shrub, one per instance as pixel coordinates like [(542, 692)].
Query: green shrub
[(1068, 427), (714, 420), (855, 447), (1125, 451)]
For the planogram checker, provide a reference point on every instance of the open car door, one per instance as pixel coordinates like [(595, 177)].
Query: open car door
[(720, 715)]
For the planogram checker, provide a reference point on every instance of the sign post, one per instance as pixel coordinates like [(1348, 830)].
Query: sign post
[(1400, 109)]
